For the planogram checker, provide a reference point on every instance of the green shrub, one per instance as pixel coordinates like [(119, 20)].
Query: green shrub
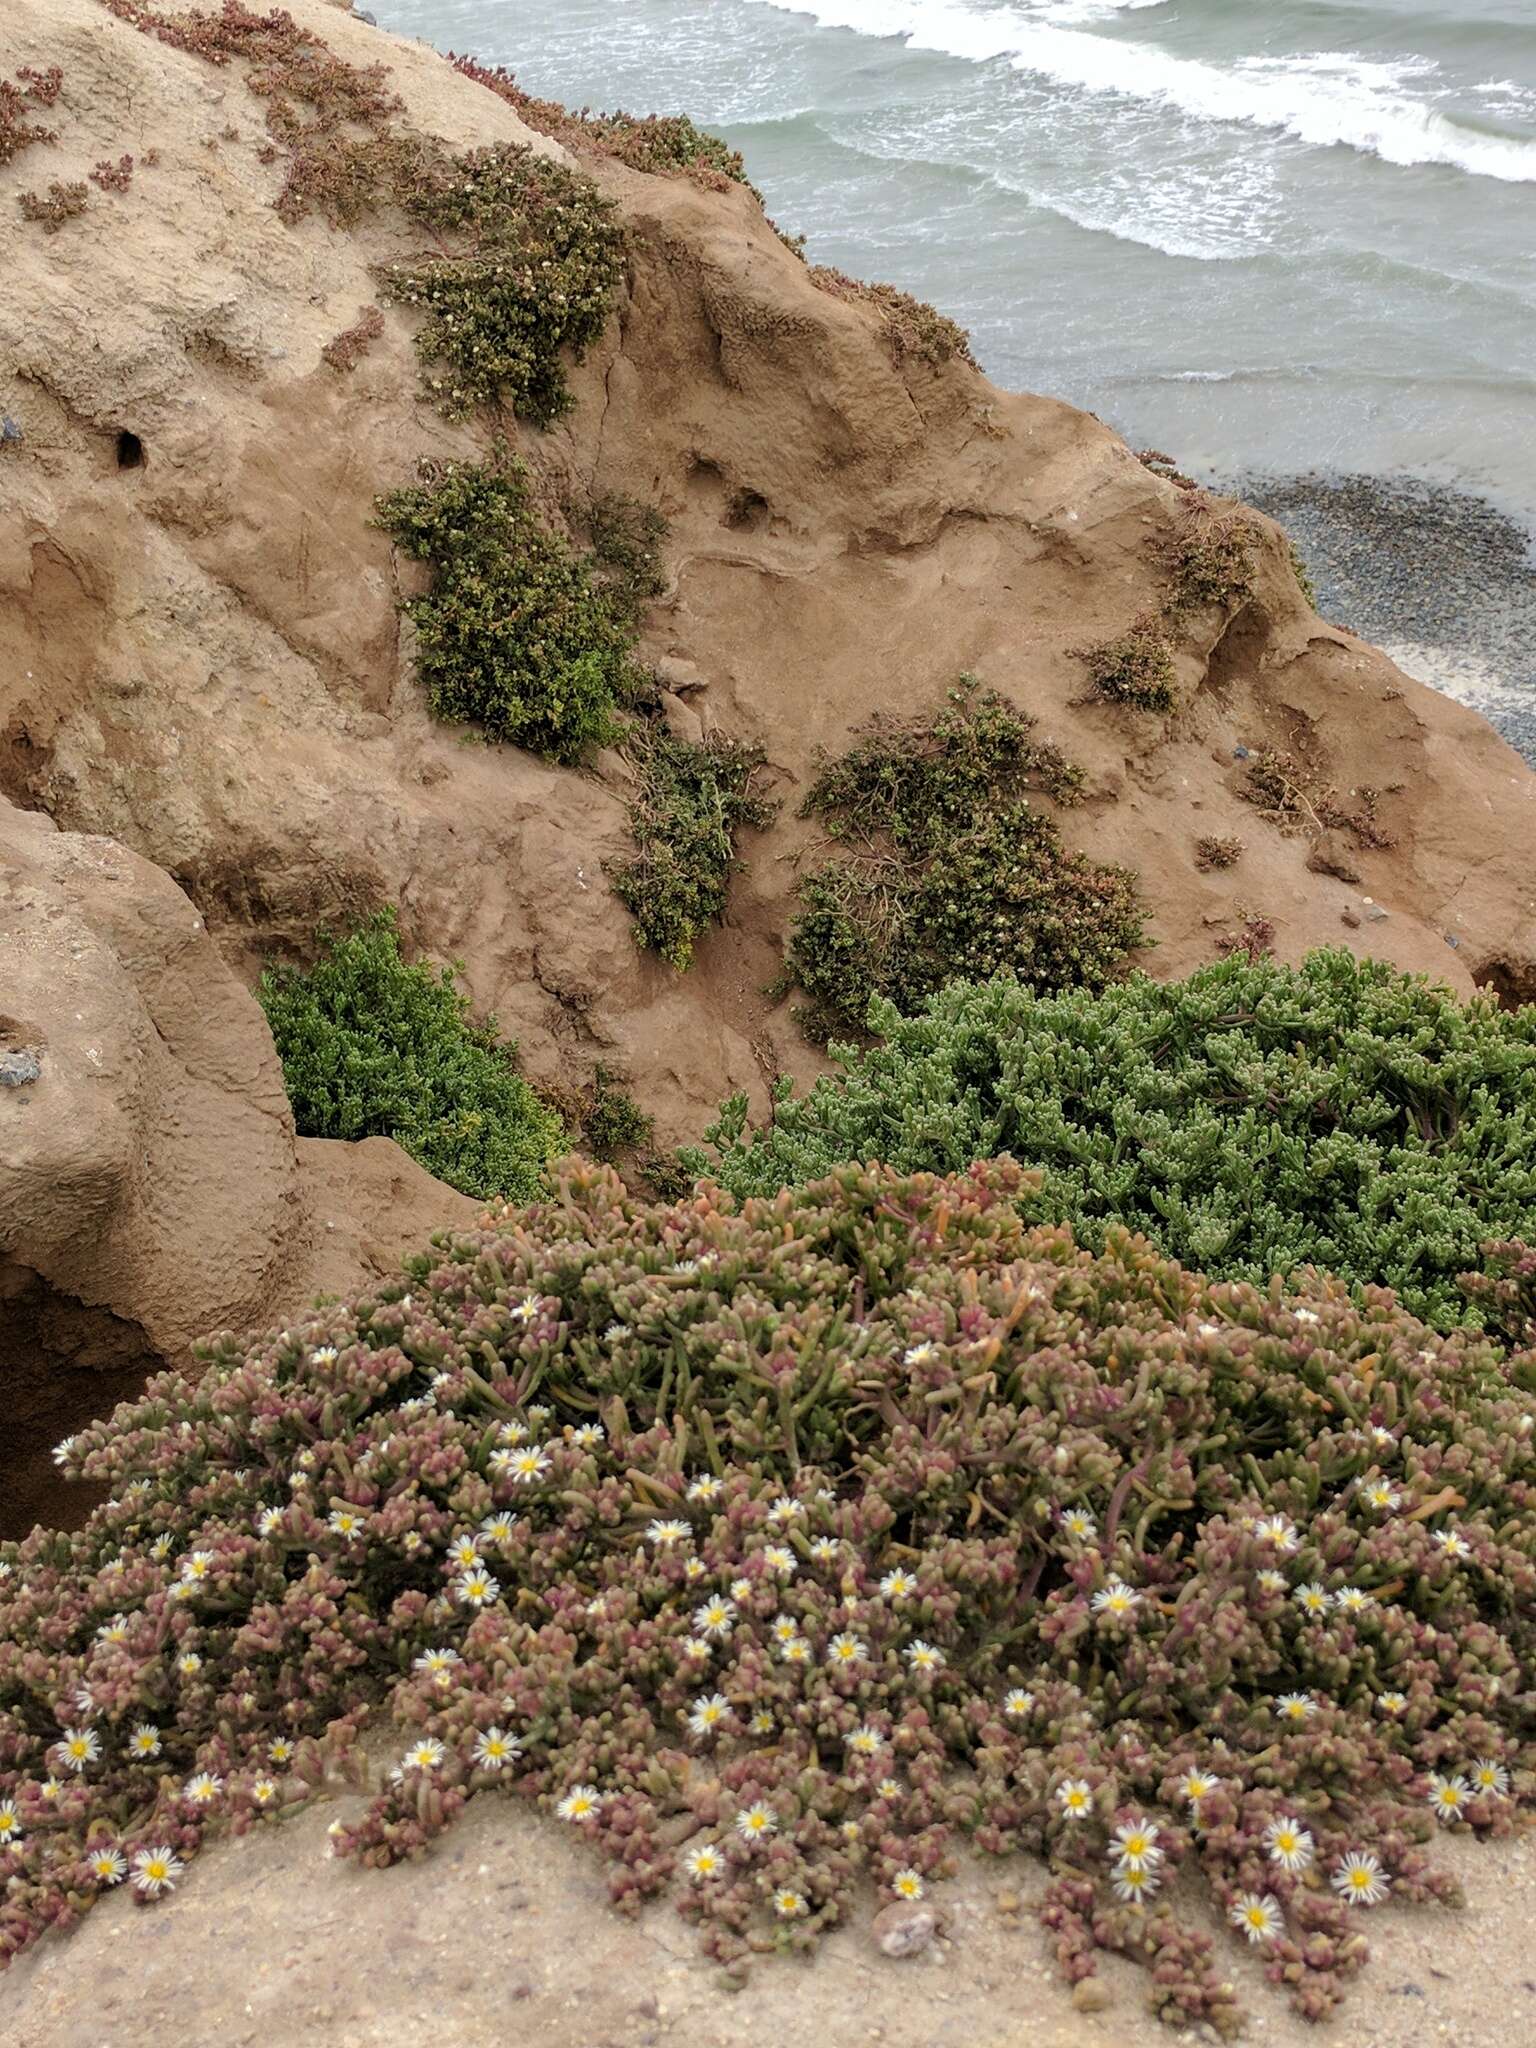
[(1135, 669), (513, 633), (372, 1047), (625, 537), (690, 802), (535, 256), (1209, 561), (952, 871), (779, 1551), (1251, 1120), (611, 1120)]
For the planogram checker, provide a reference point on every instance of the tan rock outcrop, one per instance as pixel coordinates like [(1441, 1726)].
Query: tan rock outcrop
[(151, 1190)]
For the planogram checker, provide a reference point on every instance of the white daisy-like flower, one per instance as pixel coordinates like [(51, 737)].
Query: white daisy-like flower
[(1305, 1315), (784, 1628), (345, 1521), (1295, 1706), (498, 1528), (780, 1559), (908, 1884), (1271, 1581), (755, 1823), (1079, 1525), (616, 1333), (50, 1791), (189, 1663), (741, 1589), (1451, 1543), (11, 1829), (1257, 1915), (85, 1702), (1393, 1703), (846, 1648), (1116, 1598), (796, 1651), (898, 1584), (1278, 1531), (1380, 1494), (850, 1831), (588, 1435), (113, 1631), (425, 1755), (761, 1722), (1207, 1329), (865, 1741), (437, 1664), (1489, 1775), (924, 1656), (156, 1870), (1312, 1598), (464, 1551), (107, 1866), (418, 1404), (197, 1564), (494, 1747), (695, 1568), (1017, 1702), (1381, 1436), (708, 1712), (664, 1533), (704, 1861), (64, 1450), (264, 1791), (160, 1549), (269, 1520), (716, 1618), (1075, 1798), (513, 1433), (183, 1590), (202, 1788), (280, 1750), (1353, 1600), (1197, 1785), (1135, 1845), (697, 1650), (582, 1802), (527, 1465), (888, 1789), (477, 1589), (1289, 1843), (1359, 1879), (526, 1310), (1134, 1882), (1448, 1796), (77, 1748), (144, 1740), (785, 1509), (788, 1903), (920, 1354), (324, 1354), (705, 1487)]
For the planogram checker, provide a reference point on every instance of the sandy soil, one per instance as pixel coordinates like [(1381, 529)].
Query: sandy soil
[(505, 1933)]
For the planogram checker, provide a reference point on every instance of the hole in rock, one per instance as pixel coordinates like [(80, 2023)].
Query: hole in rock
[(130, 451)]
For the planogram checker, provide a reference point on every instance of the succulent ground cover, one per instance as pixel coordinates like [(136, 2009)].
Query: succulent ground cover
[(1251, 1119), (780, 1548)]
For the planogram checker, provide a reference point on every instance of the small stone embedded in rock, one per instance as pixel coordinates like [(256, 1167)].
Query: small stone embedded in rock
[(904, 1927), (1091, 1994), (1008, 1902), (10, 430), (18, 1068), (1374, 914)]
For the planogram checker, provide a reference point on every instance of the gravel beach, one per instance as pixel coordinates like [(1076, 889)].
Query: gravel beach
[(1441, 580)]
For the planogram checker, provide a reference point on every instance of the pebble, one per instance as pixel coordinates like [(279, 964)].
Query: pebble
[(1089, 1994), (18, 1068), (904, 1928)]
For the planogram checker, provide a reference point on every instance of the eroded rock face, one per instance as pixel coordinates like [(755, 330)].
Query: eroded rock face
[(206, 662), (151, 1189)]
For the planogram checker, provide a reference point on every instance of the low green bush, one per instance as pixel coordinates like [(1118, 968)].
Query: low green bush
[(1135, 669), (374, 1047), (780, 1551), (1251, 1120), (691, 800), (514, 634), (951, 870)]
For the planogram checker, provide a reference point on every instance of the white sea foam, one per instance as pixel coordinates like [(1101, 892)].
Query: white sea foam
[(1322, 100)]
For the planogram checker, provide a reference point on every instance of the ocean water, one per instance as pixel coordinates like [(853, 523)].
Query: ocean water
[(1274, 238)]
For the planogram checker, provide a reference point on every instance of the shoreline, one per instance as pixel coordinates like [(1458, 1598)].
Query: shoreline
[(1438, 578)]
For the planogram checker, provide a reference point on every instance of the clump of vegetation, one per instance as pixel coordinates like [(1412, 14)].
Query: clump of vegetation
[(772, 1549), (1212, 852), (19, 98), (691, 800), (540, 255), (1209, 561), (513, 634), (113, 177), (626, 538), (1166, 467), (65, 202), (912, 328), (1254, 938), (1299, 571), (667, 145), (374, 1047), (611, 1120), (1254, 1119), (1290, 793), (951, 870), (346, 350), (1136, 669)]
